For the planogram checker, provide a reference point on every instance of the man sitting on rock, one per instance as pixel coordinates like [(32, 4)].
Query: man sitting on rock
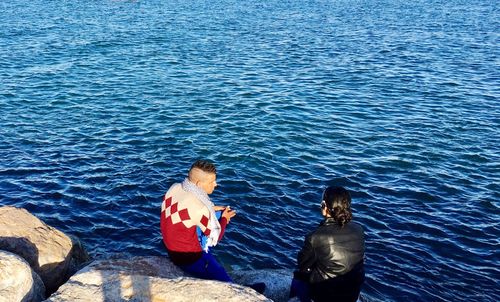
[(186, 207)]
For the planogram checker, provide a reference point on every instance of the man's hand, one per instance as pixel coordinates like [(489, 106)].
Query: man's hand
[(228, 213), (219, 208)]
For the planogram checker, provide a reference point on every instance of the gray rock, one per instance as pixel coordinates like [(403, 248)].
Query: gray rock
[(277, 281), (146, 279), (51, 254), (18, 282), (154, 266)]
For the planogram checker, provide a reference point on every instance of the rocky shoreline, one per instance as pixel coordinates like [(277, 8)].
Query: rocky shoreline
[(41, 263)]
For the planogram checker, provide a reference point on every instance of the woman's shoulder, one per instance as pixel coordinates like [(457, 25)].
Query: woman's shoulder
[(351, 227), (354, 227), (355, 224)]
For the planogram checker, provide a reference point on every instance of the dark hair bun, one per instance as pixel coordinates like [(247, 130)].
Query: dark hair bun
[(338, 202)]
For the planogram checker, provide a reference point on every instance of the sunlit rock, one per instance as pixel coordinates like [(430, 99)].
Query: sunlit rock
[(277, 281), (53, 255), (146, 279), (154, 266), (18, 282)]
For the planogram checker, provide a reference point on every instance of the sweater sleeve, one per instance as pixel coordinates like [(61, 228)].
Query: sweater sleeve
[(223, 224)]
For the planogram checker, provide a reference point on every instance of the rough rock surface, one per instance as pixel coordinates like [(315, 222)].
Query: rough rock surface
[(53, 255), (18, 282), (277, 281), (153, 266), (146, 279)]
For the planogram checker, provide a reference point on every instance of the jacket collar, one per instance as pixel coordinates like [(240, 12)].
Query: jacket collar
[(328, 221)]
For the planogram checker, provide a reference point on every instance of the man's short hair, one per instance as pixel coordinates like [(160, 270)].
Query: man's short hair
[(204, 165)]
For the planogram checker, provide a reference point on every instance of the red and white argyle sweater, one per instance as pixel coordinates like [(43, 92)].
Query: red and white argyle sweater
[(181, 213)]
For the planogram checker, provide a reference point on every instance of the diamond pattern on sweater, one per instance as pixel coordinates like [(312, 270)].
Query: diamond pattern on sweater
[(173, 208)]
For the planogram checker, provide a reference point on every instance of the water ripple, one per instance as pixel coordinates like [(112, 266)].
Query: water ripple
[(105, 104)]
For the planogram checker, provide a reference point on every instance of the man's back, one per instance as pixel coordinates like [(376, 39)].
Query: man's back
[(181, 213), (187, 207)]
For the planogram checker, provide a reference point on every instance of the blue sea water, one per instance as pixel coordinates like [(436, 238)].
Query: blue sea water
[(105, 104)]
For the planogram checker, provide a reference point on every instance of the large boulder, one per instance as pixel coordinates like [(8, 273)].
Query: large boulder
[(146, 279), (18, 282), (277, 281), (154, 266), (53, 255)]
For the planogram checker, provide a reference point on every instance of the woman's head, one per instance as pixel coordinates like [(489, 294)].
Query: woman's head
[(338, 204)]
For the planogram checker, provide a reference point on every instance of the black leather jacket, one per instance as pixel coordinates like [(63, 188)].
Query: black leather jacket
[(331, 251)]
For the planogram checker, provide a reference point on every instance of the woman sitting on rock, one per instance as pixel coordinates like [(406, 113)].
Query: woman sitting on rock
[(330, 264)]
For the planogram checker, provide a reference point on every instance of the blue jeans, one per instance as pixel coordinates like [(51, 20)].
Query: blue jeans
[(301, 289), (208, 268)]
